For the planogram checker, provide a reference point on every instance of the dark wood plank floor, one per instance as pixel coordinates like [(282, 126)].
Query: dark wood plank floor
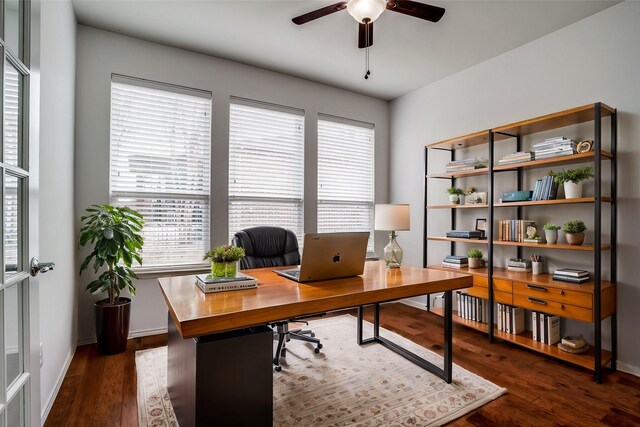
[(101, 390)]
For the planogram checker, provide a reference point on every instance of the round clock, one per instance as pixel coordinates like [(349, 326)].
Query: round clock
[(584, 146)]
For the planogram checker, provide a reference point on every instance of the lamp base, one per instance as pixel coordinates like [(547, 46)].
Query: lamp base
[(393, 253)]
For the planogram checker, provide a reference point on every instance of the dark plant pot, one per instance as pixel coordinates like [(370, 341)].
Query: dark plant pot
[(575, 238), (112, 325)]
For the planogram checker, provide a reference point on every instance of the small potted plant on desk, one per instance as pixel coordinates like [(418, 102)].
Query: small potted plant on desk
[(455, 194), (475, 258), (574, 231), (114, 233), (551, 233), (572, 180), (224, 260)]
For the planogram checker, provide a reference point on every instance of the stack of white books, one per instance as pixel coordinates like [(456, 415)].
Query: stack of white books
[(554, 147)]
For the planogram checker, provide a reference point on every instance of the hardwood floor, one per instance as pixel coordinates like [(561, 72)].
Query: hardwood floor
[(101, 390)]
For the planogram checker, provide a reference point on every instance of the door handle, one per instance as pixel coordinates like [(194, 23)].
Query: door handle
[(537, 301), (537, 288), (40, 267)]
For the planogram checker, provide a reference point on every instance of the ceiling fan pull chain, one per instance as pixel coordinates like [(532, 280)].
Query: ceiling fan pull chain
[(366, 75)]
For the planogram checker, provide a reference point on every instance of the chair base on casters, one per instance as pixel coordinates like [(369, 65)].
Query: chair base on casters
[(284, 335)]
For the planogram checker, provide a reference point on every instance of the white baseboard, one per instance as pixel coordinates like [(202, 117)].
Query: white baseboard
[(132, 334), (54, 393), (629, 369)]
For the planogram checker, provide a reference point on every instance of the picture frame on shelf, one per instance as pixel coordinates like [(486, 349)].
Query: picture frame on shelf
[(476, 198), (481, 225)]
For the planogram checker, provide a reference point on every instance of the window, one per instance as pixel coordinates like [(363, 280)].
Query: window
[(160, 166), (266, 167), (345, 177)]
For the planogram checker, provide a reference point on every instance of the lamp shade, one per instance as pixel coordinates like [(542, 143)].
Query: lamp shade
[(366, 9), (392, 217)]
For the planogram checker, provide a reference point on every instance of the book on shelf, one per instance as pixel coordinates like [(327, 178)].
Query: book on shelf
[(534, 325), (573, 342), (456, 259), (571, 272), (472, 308), (571, 279), (454, 265), (514, 230), (207, 283), (545, 328), (519, 269), (534, 240), (519, 262)]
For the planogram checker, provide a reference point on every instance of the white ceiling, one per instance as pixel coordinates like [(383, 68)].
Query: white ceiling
[(407, 53)]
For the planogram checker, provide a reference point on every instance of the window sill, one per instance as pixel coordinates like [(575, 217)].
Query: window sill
[(157, 271)]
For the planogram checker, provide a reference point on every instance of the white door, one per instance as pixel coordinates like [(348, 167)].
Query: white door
[(19, 364)]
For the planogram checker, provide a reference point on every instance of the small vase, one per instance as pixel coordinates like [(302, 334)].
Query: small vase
[(575, 238), (224, 269), (454, 199), (572, 190), (475, 262), (393, 253), (551, 236)]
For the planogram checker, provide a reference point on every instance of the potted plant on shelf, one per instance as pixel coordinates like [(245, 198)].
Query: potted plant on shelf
[(455, 194), (574, 231), (224, 260), (475, 258), (551, 233), (114, 233), (572, 180)]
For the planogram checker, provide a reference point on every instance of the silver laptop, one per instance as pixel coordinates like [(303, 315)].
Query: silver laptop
[(330, 256)]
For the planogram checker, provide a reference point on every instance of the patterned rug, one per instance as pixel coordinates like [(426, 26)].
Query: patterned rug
[(343, 385)]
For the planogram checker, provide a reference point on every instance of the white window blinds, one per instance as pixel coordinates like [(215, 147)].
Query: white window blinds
[(266, 167), (160, 166), (345, 177)]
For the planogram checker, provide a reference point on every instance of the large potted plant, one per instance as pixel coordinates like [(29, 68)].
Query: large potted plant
[(572, 180), (114, 234), (574, 232)]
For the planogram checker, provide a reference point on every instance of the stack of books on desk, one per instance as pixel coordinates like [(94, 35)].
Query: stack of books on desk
[(452, 261), (545, 327), (519, 264), (554, 147), (510, 319), (571, 275), (207, 283), (466, 164), (519, 157)]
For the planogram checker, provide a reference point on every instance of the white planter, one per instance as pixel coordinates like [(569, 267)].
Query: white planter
[(454, 199), (551, 236), (572, 190)]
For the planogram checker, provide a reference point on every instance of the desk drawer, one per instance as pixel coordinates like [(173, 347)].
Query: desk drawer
[(499, 284), (499, 296), (553, 307), (581, 299)]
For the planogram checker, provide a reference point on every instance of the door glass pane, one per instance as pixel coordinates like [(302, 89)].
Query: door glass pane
[(11, 107), (12, 225), (12, 25), (15, 411), (12, 323)]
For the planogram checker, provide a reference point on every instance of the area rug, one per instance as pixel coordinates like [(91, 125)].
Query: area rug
[(344, 385)]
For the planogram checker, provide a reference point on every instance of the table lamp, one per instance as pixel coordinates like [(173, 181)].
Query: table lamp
[(392, 218)]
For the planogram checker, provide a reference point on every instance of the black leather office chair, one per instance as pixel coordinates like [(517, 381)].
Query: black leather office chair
[(274, 247)]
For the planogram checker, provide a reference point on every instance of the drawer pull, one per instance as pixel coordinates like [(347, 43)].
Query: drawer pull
[(537, 301), (537, 288)]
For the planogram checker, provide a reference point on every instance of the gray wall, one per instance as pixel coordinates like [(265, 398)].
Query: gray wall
[(102, 53), (58, 296), (596, 59)]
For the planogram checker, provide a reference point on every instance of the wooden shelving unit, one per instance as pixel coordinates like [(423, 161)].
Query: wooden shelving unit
[(590, 302)]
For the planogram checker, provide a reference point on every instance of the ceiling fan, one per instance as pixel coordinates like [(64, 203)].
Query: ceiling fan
[(367, 11)]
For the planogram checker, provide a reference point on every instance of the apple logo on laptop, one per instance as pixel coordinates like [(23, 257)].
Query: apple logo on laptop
[(336, 257)]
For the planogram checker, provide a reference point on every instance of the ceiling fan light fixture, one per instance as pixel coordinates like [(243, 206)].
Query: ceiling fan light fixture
[(363, 10)]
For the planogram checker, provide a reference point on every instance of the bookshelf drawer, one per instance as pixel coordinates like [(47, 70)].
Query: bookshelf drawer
[(503, 285), (580, 299), (553, 307), (499, 296), (480, 281)]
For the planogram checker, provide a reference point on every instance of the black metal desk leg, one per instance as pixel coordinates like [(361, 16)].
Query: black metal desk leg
[(359, 325), (448, 337), (376, 320)]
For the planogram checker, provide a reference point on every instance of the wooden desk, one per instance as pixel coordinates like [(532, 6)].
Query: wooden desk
[(214, 334)]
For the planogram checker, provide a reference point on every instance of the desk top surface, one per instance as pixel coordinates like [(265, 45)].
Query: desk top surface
[(278, 298)]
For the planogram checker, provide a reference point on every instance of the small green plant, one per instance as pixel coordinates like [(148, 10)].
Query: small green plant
[(455, 191), (572, 175), (552, 227), (474, 253), (573, 227), (225, 253)]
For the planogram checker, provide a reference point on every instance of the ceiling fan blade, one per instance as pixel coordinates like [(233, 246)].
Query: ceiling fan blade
[(362, 35), (418, 10), (307, 17)]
